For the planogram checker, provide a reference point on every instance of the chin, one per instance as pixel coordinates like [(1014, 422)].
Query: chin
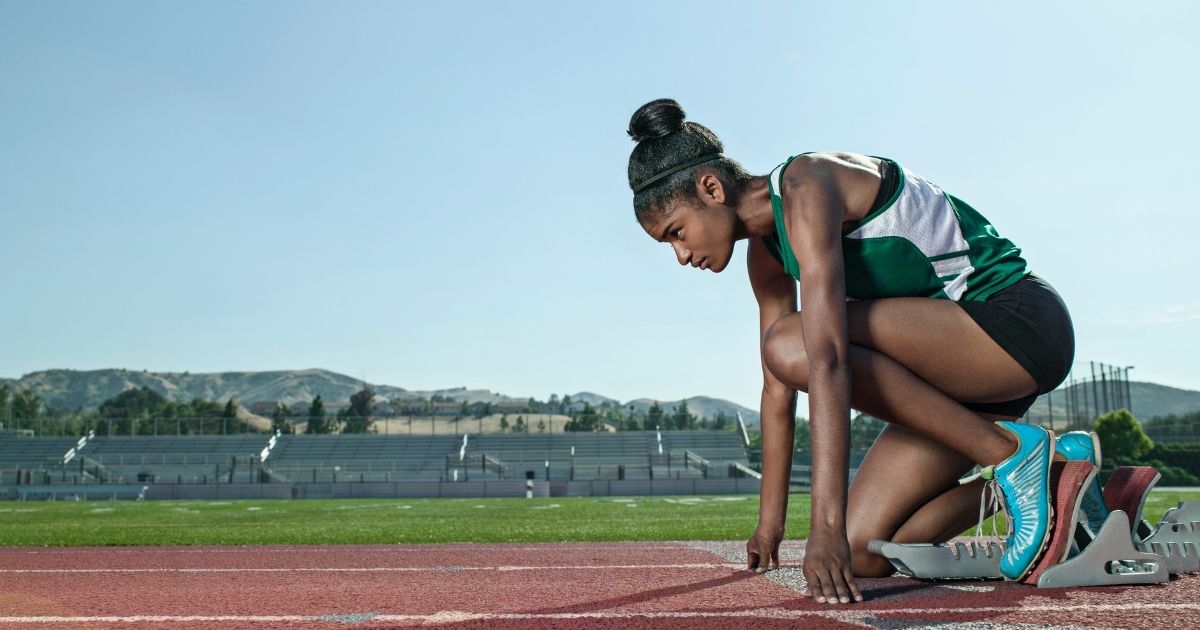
[(724, 262)]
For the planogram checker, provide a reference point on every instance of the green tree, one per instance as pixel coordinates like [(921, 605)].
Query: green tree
[(130, 410), (682, 418), (318, 422), (520, 426), (280, 419), (803, 436), (26, 407), (230, 410), (358, 417), (541, 425), (503, 423), (586, 420), (654, 417), (5, 405), (1122, 440)]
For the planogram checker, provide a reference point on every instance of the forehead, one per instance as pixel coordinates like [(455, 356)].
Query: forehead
[(659, 221)]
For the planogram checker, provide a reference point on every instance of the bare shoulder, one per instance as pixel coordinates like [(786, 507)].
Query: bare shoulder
[(850, 177)]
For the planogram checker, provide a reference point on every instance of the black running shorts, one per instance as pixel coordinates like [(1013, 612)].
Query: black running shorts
[(1030, 322)]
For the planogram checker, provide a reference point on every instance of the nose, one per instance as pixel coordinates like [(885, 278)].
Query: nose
[(682, 255)]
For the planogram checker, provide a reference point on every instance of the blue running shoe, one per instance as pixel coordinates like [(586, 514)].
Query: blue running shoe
[(1082, 446), (1024, 480)]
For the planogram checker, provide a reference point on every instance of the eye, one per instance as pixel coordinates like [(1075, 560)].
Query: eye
[(677, 232)]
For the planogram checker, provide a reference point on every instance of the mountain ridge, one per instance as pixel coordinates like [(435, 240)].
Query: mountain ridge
[(87, 389)]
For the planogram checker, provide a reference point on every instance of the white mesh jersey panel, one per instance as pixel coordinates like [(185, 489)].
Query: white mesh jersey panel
[(923, 216)]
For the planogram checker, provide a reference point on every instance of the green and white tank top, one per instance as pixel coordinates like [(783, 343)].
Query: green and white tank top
[(922, 242)]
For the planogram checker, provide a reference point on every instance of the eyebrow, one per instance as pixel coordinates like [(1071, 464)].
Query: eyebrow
[(665, 231)]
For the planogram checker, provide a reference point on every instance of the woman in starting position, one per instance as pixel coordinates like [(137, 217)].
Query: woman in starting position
[(915, 311)]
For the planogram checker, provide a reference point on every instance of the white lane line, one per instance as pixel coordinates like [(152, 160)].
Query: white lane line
[(441, 569), (399, 548), (454, 615)]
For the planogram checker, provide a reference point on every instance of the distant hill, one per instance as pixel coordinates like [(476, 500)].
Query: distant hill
[(86, 389), (1149, 400), (76, 389), (699, 406), (594, 400)]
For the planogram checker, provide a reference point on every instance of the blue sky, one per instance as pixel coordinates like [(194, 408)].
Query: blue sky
[(433, 194)]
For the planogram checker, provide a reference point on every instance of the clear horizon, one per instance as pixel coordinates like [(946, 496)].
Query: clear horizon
[(434, 196)]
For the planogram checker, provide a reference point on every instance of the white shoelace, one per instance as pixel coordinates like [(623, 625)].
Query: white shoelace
[(989, 501)]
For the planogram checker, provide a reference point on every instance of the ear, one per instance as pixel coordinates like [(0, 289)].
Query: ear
[(710, 189)]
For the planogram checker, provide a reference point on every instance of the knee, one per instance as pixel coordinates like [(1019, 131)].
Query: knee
[(864, 563), (783, 352)]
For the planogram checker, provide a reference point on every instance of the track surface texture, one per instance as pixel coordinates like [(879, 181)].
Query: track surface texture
[(575, 585)]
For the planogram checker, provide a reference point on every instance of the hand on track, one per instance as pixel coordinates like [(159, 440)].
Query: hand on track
[(827, 569), (762, 550)]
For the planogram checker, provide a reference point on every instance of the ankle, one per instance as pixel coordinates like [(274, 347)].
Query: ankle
[(1003, 446)]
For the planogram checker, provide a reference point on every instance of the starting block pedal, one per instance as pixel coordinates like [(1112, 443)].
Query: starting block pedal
[(1127, 490), (971, 560)]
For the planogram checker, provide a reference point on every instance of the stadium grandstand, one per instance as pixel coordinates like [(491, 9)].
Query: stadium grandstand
[(310, 459)]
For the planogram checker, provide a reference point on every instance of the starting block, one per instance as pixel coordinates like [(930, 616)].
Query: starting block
[(1176, 539), (1075, 556)]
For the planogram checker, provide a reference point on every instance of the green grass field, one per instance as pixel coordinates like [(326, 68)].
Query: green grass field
[(392, 521)]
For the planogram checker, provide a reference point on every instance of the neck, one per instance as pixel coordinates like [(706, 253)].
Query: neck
[(753, 210)]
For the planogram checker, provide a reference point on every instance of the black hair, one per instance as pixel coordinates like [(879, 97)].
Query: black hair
[(664, 142)]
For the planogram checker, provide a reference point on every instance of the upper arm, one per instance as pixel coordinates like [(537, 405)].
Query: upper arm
[(814, 209), (775, 292)]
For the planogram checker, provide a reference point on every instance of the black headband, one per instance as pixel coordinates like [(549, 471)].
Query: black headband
[(671, 171)]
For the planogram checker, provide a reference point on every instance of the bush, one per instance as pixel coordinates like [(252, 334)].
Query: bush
[(1122, 440), (1183, 456)]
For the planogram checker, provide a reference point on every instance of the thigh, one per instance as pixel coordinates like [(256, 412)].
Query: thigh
[(939, 342)]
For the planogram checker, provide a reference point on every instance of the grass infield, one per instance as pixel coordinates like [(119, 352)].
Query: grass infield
[(394, 521)]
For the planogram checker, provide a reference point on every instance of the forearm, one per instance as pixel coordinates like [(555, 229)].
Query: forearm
[(777, 413), (829, 410)]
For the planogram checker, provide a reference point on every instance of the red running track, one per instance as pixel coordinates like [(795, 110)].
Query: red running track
[(600, 585)]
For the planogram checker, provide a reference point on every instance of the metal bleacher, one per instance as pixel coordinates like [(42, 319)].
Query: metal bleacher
[(622, 455), (246, 458), (362, 457), (173, 459), (34, 458)]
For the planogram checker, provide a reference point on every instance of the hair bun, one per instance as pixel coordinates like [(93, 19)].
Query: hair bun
[(658, 118)]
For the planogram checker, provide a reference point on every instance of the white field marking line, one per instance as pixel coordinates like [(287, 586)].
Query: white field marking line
[(454, 615), (399, 548), (437, 569)]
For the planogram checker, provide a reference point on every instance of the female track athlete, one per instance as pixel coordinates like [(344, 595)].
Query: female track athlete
[(915, 310)]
